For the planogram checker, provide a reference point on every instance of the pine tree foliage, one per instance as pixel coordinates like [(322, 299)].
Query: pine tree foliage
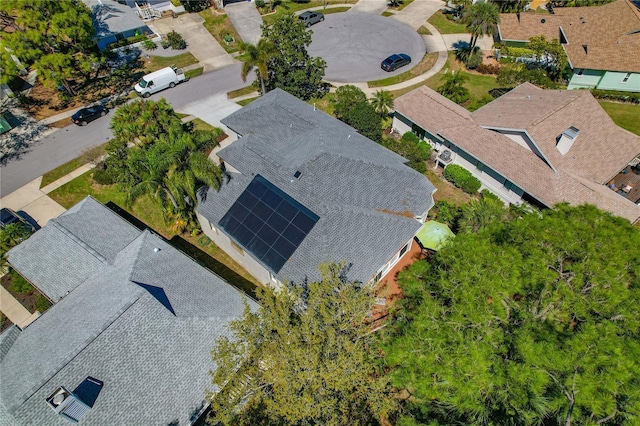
[(525, 322), (306, 357)]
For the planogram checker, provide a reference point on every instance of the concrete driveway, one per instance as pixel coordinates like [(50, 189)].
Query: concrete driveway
[(245, 18), (375, 7), (199, 41), (354, 44)]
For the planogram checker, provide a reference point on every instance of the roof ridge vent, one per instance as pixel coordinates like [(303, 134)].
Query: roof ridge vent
[(67, 404), (566, 139)]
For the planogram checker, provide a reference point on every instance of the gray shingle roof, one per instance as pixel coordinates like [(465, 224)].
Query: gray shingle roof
[(84, 238), (111, 17), (154, 363), (365, 194)]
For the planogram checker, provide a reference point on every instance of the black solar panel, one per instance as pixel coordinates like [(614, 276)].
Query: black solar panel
[(268, 223)]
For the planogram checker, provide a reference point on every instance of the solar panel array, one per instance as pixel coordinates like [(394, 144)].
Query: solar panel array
[(268, 223)]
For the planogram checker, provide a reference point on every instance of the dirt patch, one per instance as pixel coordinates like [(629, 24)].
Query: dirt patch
[(24, 293), (62, 123)]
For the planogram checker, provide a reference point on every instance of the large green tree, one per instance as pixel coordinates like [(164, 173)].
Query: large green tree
[(153, 153), (525, 322), (352, 107), (54, 36), (453, 87), (552, 54), (306, 357), (291, 68), (481, 18)]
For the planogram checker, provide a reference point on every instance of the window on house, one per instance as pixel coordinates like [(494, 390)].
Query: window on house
[(404, 249), (626, 77), (377, 277), (508, 184)]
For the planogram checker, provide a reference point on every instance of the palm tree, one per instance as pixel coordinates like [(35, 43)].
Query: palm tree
[(258, 59), (453, 88), (382, 102), (482, 19)]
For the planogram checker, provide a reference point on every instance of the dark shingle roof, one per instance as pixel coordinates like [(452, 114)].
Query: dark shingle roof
[(151, 352), (365, 195)]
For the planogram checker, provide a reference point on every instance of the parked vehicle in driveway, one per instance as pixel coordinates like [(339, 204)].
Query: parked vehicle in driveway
[(395, 61), (85, 116), (8, 216), (159, 80), (309, 18)]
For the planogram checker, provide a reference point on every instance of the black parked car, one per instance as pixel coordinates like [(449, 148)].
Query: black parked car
[(8, 216), (395, 61), (87, 115)]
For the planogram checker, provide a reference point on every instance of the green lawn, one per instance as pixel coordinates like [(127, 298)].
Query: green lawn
[(194, 72), (624, 115), (330, 10), (240, 92), (60, 171), (181, 60), (445, 26), (146, 211), (220, 26)]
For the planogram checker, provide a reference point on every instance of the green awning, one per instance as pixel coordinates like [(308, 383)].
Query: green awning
[(433, 235)]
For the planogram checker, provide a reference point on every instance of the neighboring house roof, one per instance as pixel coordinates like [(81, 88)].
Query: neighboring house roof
[(111, 17), (598, 37), (144, 323), (365, 195), (598, 153)]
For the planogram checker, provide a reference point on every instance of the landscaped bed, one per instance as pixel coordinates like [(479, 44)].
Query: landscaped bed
[(427, 62), (24, 293), (221, 28)]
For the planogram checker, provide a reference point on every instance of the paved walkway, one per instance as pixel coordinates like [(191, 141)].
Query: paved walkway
[(199, 41), (246, 19)]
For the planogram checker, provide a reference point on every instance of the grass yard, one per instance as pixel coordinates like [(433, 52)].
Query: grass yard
[(445, 190), (61, 171), (427, 62), (246, 102), (194, 72), (478, 84), (158, 62), (220, 26), (386, 13), (424, 30), (287, 6), (146, 211), (624, 115), (444, 25), (331, 10), (402, 5), (241, 92), (324, 103)]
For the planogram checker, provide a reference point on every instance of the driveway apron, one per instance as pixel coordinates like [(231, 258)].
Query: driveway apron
[(370, 6), (245, 18)]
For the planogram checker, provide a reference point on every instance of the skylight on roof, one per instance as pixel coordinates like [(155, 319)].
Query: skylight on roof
[(571, 132)]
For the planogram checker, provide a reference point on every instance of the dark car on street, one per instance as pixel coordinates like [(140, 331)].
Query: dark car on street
[(8, 216), (87, 115), (395, 61), (309, 18)]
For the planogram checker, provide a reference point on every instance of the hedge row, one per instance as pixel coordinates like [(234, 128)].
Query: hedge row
[(127, 41), (462, 178), (616, 96)]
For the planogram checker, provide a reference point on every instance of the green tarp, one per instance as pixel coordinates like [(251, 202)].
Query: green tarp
[(4, 125), (433, 235)]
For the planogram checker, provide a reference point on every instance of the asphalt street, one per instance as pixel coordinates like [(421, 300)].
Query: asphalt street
[(354, 44), (68, 143)]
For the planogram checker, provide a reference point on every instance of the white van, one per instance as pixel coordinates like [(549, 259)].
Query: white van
[(159, 80)]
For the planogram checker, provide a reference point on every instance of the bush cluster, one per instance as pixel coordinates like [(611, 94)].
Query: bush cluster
[(410, 147), (175, 41), (127, 41), (103, 175), (617, 96), (462, 178)]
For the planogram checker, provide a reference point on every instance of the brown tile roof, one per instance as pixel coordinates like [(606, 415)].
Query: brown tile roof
[(601, 149), (611, 33), (442, 113), (598, 153)]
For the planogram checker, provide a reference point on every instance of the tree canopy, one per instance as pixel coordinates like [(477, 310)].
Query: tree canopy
[(305, 357), (291, 68), (482, 18), (153, 153), (54, 36), (352, 107), (522, 322)]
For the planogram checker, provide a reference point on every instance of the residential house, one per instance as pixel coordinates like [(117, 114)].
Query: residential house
[(304, 188), (601, 42), (114, 21), (129, 338), (540, 146)]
